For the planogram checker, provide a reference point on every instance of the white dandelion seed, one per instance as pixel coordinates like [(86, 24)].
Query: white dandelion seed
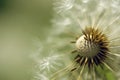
[(63, 22), (49, 63), (40, 77), (63, 5)]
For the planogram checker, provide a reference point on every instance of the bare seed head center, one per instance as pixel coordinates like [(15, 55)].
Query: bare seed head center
[(86, 48)]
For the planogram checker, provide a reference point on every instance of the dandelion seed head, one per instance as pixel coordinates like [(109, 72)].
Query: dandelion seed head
[(97, 52), (92, 48)]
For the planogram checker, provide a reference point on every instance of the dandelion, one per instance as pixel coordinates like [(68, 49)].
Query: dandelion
[(96, 55), (93, 27)]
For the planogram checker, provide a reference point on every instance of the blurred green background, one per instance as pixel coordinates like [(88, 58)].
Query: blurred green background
[(20, 22)]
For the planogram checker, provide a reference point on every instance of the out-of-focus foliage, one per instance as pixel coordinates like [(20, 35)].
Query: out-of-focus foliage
[(20, 22)]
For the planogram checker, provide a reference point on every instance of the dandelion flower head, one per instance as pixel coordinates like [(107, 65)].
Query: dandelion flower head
[(93, 27)]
